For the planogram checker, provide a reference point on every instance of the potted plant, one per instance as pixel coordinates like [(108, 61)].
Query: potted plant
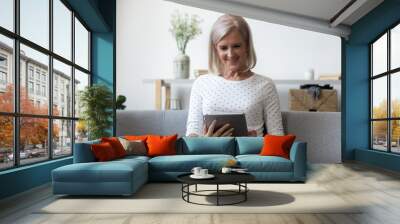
[(184, 28), (96, 102)]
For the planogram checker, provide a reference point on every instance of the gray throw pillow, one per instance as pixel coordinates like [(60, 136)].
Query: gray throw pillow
[(136, 147)]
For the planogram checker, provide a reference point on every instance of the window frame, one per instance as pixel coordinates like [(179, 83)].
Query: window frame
[(16, 115), (388, 74)]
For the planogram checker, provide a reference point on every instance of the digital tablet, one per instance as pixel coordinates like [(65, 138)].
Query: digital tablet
[(236, 121)]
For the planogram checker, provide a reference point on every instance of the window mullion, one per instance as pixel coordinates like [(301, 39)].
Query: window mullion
[(73, 81), (16, 83), (389, 101), (50, 81)]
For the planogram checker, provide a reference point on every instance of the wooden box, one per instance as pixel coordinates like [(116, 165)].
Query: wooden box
[(301, 100)]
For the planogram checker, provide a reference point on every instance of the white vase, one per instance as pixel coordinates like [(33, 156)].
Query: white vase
[(309, 75), (181, 66)]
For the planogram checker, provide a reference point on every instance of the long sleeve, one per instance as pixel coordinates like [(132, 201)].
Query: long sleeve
[(272, 112), (194, 123)]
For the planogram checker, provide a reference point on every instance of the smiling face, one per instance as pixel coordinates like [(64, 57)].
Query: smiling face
[(232, 52)]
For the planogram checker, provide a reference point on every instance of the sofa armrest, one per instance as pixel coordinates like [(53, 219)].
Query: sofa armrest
[(83, 152), (298, 155)]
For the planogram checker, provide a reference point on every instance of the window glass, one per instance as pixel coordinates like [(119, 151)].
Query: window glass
[(6, 74), (39, 62), (395, 47), (379, 55), (62, 29), (81, 131), (6, 142), (33, 139), (395, 95), (62, 91), (7, 14), (62, 138), (35, 21), (379, 135), (81, 82), (379, 97), (81, 45)]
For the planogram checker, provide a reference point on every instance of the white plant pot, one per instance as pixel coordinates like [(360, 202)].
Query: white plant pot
[(181, 66)]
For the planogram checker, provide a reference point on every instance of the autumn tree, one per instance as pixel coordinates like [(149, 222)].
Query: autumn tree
[(33, 131), (380, 127)]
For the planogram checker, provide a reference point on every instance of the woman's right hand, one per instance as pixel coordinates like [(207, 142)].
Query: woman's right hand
[(223, 131)]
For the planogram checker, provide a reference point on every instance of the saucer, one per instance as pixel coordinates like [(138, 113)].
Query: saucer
[(208, 176)]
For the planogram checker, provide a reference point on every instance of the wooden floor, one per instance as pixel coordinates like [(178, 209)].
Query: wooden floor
[(377, 188)]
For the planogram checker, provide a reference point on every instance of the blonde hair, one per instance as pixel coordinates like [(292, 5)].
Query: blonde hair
[(222, 27)]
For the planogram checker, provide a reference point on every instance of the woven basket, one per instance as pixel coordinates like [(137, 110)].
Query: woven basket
[(301, 100)]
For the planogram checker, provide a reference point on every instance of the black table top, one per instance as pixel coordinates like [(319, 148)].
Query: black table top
[(220, 178)]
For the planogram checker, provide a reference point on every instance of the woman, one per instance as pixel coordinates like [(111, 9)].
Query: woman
[(235, 88)]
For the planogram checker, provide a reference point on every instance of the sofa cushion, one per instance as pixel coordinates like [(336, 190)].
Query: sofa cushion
[(103, 152), (249, 145), (207, 145), (257, 163), (161, 145), (134, 147), (116, 145), (185, 163), (277, 145), (111, 171)]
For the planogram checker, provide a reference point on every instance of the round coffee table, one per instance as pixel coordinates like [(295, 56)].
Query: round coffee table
[(238, 179)]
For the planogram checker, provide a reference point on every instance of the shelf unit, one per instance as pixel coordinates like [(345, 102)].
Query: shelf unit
[(166, 84)]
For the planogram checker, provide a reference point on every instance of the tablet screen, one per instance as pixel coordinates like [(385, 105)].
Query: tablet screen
[(236, 121)]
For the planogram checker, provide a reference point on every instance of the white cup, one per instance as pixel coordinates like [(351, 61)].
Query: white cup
[(196, 170), (226, 170), (203, 172)]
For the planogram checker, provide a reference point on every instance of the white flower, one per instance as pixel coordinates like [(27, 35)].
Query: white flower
[(184, 28)]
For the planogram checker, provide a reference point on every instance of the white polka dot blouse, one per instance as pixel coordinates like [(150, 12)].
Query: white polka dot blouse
[(255, 96)]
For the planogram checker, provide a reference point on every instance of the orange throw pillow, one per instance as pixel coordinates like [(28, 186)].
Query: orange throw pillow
[(136, 137), (116, 145), (103, 151), (161, 145), (277, 145)]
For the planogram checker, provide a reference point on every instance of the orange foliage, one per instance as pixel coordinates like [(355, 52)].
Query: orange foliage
[(33, 130)]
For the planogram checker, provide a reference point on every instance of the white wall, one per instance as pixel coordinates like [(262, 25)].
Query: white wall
[(145, 49)]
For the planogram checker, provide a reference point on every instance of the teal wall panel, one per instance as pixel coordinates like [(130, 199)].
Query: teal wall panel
[(381, 159), (24, 178), (102, 58)]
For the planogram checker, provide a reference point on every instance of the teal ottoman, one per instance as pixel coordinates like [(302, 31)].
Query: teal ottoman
[(118, 177)]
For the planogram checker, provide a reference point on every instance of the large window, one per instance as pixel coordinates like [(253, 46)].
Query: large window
[(385, 91), (44, 64)]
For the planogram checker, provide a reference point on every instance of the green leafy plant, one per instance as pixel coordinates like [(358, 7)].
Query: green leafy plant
[(119, 103), (184, 28), (96, 102)]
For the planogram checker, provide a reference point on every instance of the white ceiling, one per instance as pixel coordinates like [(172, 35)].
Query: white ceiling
[(320, 9), (314, 15)]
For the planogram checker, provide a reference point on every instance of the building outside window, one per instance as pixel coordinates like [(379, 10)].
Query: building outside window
[(37, 75), (44, 77), (43, 90), (38, 89), (3, 78), (3, 71), (30, 72), (30, 87)]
